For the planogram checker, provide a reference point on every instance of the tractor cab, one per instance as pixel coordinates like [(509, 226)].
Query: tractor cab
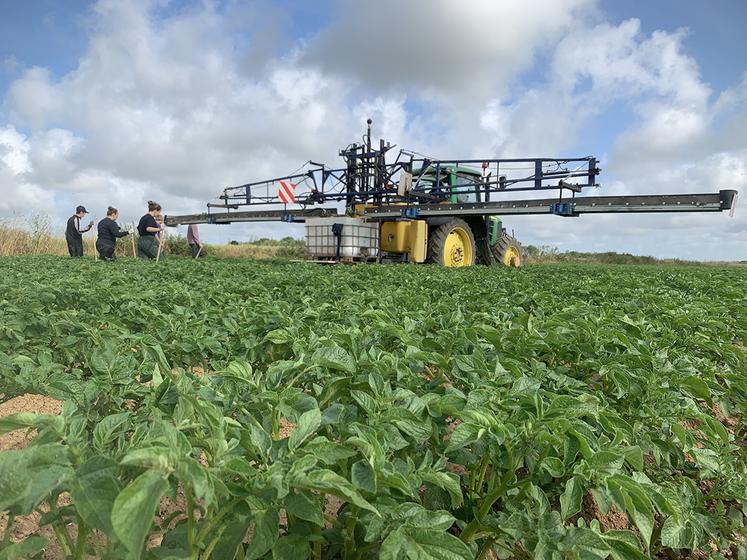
[(465, 240), (455, 183)]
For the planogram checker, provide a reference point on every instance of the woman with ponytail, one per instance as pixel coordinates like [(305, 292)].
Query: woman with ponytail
[(147, 245), (108, 233)]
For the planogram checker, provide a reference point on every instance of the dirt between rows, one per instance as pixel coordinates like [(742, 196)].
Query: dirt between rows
[(19, 439), (27, 525)]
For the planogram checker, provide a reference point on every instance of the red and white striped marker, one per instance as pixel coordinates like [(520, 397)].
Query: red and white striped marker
[(287, 192)]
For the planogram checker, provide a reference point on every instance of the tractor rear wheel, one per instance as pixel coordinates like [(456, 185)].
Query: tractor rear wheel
[(507, 251), (452, 244)]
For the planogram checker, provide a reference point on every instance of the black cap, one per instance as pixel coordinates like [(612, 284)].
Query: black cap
[(80, 209)]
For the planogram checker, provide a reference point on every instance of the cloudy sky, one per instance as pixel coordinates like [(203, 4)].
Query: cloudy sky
[(121, 101)]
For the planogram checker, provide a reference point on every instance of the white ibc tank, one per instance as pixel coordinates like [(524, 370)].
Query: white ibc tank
[(358, 239)]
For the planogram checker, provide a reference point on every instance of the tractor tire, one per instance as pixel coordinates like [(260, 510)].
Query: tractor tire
[(507, 251), (452, 244)]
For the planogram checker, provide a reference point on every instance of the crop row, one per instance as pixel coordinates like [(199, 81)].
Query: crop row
[(292, 411)]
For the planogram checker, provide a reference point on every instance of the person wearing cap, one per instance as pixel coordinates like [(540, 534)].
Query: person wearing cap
[(74, 232), (147, 246), (109, 232)]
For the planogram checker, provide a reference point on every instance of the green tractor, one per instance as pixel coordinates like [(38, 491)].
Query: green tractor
[(467, 240)]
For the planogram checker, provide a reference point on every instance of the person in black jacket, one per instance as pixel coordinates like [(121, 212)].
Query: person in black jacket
[(74, 232), (109, 231), (147, 245)]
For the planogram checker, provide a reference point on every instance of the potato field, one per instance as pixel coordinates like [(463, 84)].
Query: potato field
[(245, 410)]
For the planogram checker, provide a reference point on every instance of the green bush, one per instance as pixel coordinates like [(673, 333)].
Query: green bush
[(177, 245)]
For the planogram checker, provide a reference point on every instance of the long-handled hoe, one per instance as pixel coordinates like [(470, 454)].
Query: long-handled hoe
[(93, 241), (132, 235), (160, 245)]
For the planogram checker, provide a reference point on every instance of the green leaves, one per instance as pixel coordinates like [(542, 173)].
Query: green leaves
[(291, 547), (150, 458), (198, 478), (30, 475), (485, 404), (305, 505), (265, 534), (571, 498), (464, 435), (28, 420), (94, 490), (445, 481), (308, 423), (134, 508), (623, 545), (27, 548), (631, 497), (696, 387), (326, 480), (676, 534), (108, 429), (15, 480), (423, 544), (363, 476), (334, 358)]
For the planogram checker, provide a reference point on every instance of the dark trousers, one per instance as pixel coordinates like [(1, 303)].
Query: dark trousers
[(106, 250), (75, 246), (147, 247)]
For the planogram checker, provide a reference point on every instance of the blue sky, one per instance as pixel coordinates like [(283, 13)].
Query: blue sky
[(54, 34), (42, 33), (715, 37), (118, 102)]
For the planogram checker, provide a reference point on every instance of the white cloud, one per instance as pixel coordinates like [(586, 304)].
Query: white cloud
[(591, 70), (14, 151), (468, 48), (165, 105), (17, 193), (679, 139)]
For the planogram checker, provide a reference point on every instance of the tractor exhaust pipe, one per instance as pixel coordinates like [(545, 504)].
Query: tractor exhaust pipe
[(369, 122)]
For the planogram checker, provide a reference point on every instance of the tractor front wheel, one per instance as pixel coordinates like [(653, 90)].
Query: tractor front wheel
[(452, 244)]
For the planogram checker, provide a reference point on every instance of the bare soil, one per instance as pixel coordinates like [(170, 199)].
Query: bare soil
[(18, 439), (689, 424), (614, 520), (730, 423), (27, 525)]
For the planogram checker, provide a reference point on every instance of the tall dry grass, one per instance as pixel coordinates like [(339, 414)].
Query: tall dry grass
[(30, 236), (35, 236)]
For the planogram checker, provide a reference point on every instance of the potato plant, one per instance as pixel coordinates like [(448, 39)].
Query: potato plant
[(295, 411)]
